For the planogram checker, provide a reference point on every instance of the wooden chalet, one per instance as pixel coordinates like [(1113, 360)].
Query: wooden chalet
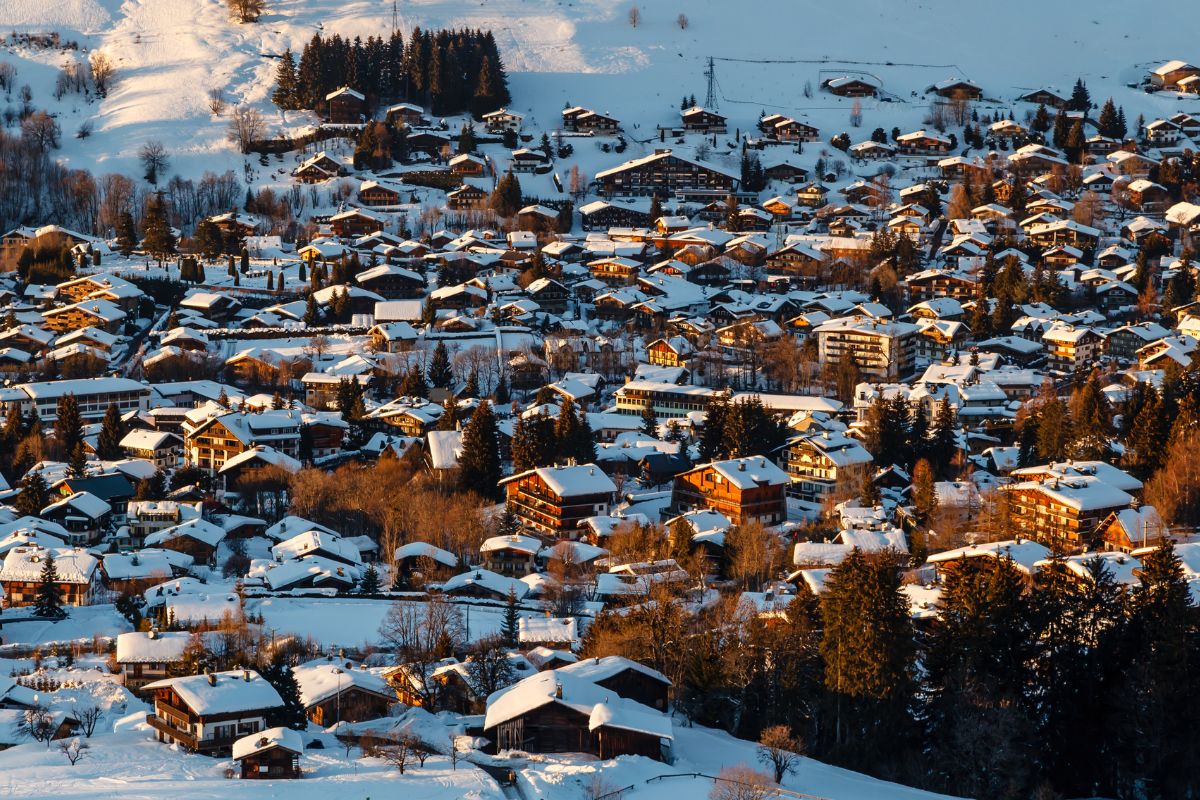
[(208, 713), (272, 754), (743, 489), (554, 500), (345, 106)]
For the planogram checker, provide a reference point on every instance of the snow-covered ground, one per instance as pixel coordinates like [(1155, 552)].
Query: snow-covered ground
[(169, 53)]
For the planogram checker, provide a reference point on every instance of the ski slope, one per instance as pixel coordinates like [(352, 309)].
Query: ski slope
[(169, 53)]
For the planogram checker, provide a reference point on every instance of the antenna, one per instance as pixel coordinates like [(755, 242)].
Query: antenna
[(395, 18), (710, 97)]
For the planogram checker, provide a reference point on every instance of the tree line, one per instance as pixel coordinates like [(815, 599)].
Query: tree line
[(448, 71)]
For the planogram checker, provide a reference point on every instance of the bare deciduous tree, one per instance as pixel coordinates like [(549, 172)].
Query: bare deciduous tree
[(779, 750), (37, 723), (421, 634), (73, 749), (154, 160), (89, 716), (247, 10), (741, 783), (245, 126), (102, 71), (682, 22), (398, 752), (41, 130), (216, 101), (635, 16)]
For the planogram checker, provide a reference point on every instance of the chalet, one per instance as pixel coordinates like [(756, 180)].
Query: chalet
[(333, 690), (1070, 348), (956, 89), (785, 171), (162, 449), (20, 575), (405, 113), (83, 515), (557, 711), (208, 713), (671, 352), (514, 555), (435, 145), (789, 130), (89, 313), (391, 283), (813, 195), (554, 500), (743, 489), (345, 106), (146, 656), (1170, 74), (418, 563), (271, 754), (466, 197), (1161, 133), (872, 150), (1132, 529), (211, 441), (319, 168), (1051, 98), (922, 143), (467, 165), (197, 538), (702, 120), (502, 120), (615, 271), (851, 86), (603, 215), (1065, 512), (663, 173), (374, 193), (525, 160), (549, 294), (354, 223), (1148, 197), (483, 584), (819, 463), (587, 121)]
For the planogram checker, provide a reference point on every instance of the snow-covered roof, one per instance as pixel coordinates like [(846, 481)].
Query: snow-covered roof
[(255, 743), (547, 629), (1024, 553), (324, 678), (73, 565), (222, 692), (141, 647)]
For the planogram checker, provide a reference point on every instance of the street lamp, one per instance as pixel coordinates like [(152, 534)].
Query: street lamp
[(338, 672)]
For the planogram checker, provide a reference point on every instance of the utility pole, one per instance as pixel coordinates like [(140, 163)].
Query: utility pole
[(710, 97)]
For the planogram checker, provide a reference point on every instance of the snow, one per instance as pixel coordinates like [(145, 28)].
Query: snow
[(272, 737), (139, 647), (323, 678), (222, 692)]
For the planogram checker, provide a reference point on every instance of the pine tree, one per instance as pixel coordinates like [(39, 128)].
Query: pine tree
[(1108, 120), (286, 93), (471, 388), (413, 384), (312, 317), (1080, 99), (77, 465), (127, 238), (449, 419), (924, 492), (943, 439), (48, 601), (575, 440), (867, 647), (1054, 425), (510, 625), (713, 435), (157, 238), (479, 468), (68, 427), (34, 496), (283, 680), (108, 445), (1041, 120), (466, 139), (1091, 421), (370, 581), (501, 394), (440, 372), (507, 199), (649, 421)]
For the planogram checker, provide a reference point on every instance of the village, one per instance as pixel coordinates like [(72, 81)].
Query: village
[(449, 448)]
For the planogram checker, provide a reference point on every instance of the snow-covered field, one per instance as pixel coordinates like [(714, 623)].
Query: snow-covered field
[(169, 53)]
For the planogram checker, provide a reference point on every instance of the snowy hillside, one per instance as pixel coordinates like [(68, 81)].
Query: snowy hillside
[(169, 53)]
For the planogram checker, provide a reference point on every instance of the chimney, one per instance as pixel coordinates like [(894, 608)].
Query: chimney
[(212, 679), (741, 466), (558, 690), (246, 675), (152, 633)]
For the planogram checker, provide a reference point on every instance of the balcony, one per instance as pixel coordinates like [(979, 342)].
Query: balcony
[(189, 741)]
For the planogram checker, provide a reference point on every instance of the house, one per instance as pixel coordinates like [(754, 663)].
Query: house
[(956, 89), (467, 165), (1064, 507), (665, 173), (603, 215), (208, 713), (374, 193), (345, 106), (851, 86), (210, 441), (502, 120), (1172, 73), (272, 754), (557, 711), (146, 656), (560, 632), (1070, 348), (21, 574), (818, 463), (1132, 529), (319, 168), (162, 449), (466, 198), (702, 120), (405, 113), (922, 143), (333, 690), (418, 563), (743, 489), (515, 555), (197, 538), (554, 500)]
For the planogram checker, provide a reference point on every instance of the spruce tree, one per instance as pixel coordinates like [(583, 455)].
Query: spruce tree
[(108, 445), (77, 465), (479, 467), (510, 625), (649, 421), (283, 680), (157, 238), (48, 601), (1091, 421), (370, 581), (127, 238), (286, 94), (34, 496), (943, 439), (713, 435), (68, 427), (440, 372), (506, 199), (575, 440)]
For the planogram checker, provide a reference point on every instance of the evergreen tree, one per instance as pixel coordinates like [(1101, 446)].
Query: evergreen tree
[(283, 680), (713, 435), (479, 468), (533, 443), (1108, 120), (1054, 425), (1091, 421), (127, 238), (466, 139), (440, 372), (68, 427), (924, 492), (1041, 120), (943, 443), (413, 384), (449, 419), (510, 623), (48, 600), (286, 92), (1080, 99), (34, 496), (575, 440), (471, 388), (157, 238), (77, 465), (112, 431), (370, 581), (649, 421), (507, 199), (501, 394), (312, 316), (867, 648)]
